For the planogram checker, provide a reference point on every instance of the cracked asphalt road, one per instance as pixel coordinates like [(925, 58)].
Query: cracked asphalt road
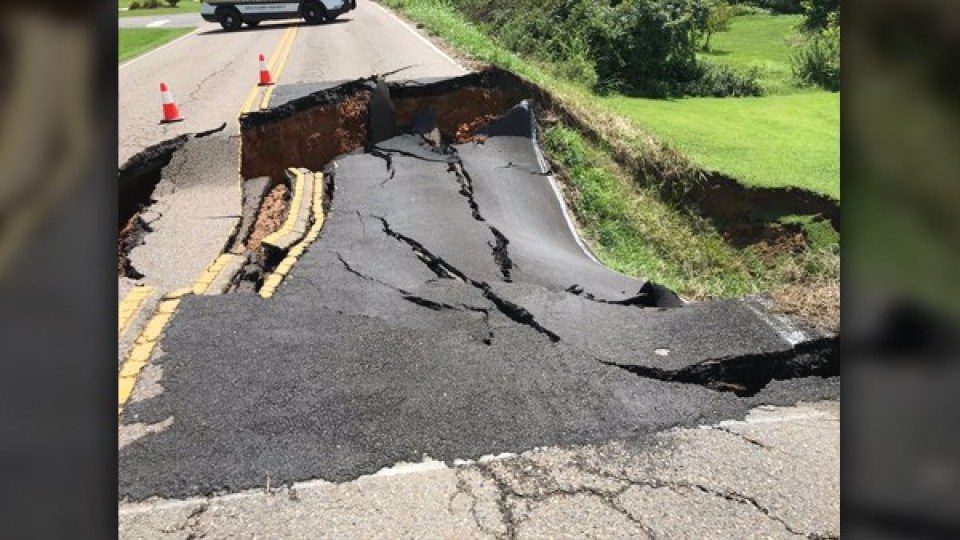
[(446, 311), (775, 475)]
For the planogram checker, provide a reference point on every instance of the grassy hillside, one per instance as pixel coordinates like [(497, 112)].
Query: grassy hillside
[(761, 41), (770, 141)]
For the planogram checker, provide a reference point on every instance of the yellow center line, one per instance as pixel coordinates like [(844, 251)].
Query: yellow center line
[(130, 305), (288, 35), (281, 63)]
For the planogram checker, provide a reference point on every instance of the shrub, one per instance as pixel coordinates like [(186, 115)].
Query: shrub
[(647, 46), (135, 5), (818, 62), (718, 80), (150, 4), (778, 6), (173, 3), (748, 9)]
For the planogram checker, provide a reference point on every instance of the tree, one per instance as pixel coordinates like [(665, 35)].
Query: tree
[(818, 14), (719, 15)]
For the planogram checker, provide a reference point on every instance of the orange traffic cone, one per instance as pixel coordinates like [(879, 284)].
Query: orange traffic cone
[(170, 111), (265, 79)]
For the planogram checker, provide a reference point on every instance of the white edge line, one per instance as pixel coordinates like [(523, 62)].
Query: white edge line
[(545, 168), (782, 325), (164, 46), (419, 36)]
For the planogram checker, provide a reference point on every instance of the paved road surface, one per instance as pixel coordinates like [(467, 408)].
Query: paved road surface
[(775, 475)]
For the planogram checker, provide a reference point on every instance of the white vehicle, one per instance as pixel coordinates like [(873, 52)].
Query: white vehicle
[(231, 14)]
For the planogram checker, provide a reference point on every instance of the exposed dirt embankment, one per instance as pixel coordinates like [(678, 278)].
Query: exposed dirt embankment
[(310, 131), (724, 199)]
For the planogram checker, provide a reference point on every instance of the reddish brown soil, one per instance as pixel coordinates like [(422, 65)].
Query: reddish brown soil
[(309, 138), (461, 112), (273, 211), (128, 237)]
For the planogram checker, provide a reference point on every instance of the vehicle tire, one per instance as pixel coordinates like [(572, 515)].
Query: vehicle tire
[(229, 19), (253, 24), (314, 12)]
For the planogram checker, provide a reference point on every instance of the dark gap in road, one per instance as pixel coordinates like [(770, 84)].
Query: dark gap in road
[(388, 159), (209, 132), (650, 295), (436, 264), (429, 304), (136, 180), (270, 216), (748, 374), (359, 274), (501, 255)]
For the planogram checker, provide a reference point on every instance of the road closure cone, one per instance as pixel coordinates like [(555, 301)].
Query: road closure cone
[(265, 79), (170, 111)]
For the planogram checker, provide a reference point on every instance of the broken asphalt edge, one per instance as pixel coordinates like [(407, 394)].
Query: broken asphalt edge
[(140, 353), (276, 277)]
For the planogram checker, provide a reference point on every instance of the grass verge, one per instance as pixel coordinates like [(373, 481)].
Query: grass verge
[(136, 41)]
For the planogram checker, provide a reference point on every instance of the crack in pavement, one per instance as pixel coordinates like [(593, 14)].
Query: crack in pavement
[(501, 255), (445, 270), (743, 437), (425, 302), (608, 496)]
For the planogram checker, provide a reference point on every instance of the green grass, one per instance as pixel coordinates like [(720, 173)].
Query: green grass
[(761, 41), (136, 41), (185, 6), (770, 141)]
